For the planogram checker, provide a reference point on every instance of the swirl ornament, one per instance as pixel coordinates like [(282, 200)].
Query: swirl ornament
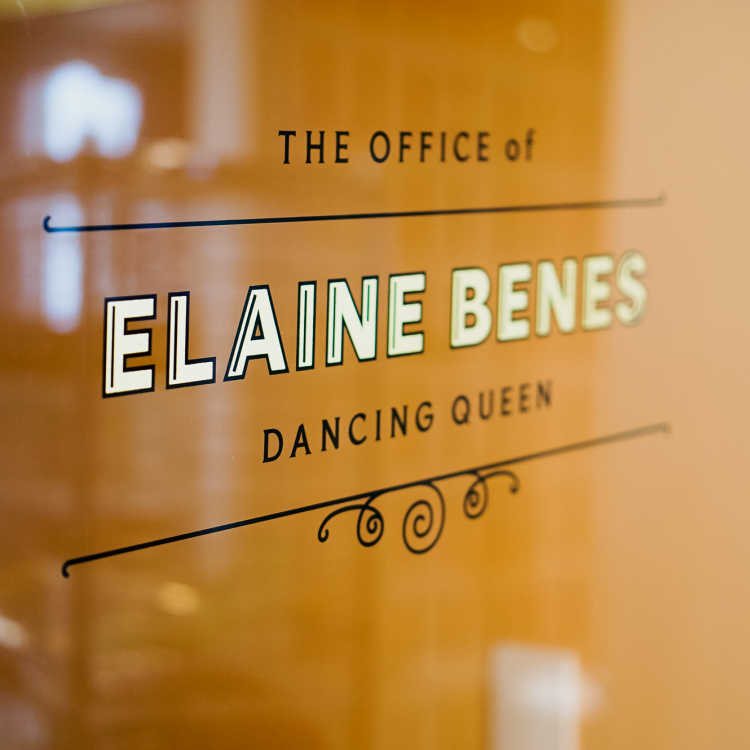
[(424, 521), (370, 522), (478, 494)]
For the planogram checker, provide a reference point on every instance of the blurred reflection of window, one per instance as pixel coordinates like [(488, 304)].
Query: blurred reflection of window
[(536, 698), (12, 634), (80, 105), (62, 269), (222, 80)]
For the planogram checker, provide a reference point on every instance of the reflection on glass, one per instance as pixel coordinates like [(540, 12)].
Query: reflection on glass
[(62, 270), (81, 104), (537, 698)]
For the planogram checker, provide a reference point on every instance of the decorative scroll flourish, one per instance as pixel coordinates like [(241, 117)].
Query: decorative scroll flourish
[(424, 519), (478, 495), (370, 522)]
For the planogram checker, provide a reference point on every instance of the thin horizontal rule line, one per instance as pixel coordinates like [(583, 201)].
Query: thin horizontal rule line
[(651, 202)]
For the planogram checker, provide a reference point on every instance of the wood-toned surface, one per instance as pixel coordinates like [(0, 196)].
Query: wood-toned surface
[(625, 560)]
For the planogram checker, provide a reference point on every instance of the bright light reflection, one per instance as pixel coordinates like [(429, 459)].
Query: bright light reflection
[(536, 698), (62, 269), (81, 104), (178, 598), (12, 634)]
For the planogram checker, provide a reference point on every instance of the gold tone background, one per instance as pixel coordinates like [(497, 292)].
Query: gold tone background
[(630, 555)]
